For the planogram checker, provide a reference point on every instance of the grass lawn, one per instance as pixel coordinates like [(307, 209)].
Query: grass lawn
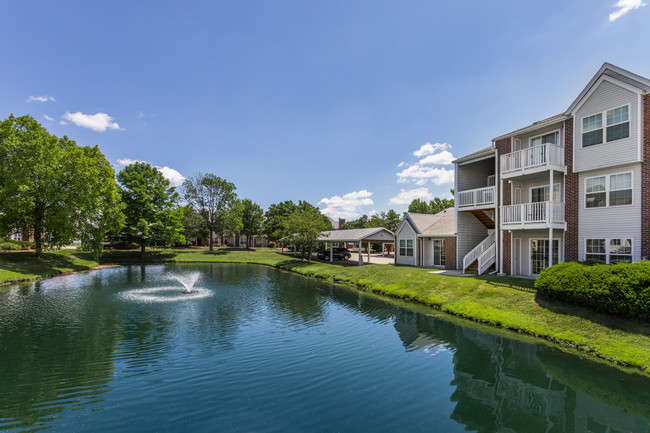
[(499, 301)]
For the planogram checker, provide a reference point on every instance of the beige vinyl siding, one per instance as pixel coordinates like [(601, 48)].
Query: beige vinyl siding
[(611, 222), (607, 96), (525, 138), (406, 232), (470, 232), (474, 175)]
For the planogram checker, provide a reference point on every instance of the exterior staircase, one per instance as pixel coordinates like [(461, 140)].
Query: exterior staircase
[(482, 257), (484, 216)]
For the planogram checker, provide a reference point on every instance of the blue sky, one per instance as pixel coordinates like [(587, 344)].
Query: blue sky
[(330, 102)]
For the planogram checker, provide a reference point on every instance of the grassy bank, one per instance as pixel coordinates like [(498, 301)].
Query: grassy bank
[(504, 302)]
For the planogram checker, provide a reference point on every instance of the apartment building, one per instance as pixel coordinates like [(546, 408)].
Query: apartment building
[(574, 186)]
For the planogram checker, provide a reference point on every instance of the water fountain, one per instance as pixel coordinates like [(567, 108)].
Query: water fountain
[(170, 293)]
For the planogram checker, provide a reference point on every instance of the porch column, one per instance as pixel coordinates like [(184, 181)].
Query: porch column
[(549, 218), (331, 252), (383, 245), (415, 251), (360, 253), (368, 247)]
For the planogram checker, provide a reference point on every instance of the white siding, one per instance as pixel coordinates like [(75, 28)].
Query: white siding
[(526, 237), (606, 97), (406, 232), (474, 175), (470, 232), (611, 222)]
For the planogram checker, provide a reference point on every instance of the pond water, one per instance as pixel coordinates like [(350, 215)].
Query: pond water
[(253, 349)]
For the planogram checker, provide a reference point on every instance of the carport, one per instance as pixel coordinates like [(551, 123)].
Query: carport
[(357, 236)]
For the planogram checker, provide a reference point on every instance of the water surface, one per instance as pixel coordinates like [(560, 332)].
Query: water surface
[(266, 351)]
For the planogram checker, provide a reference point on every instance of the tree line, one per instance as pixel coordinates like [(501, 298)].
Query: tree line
[(59, 192)]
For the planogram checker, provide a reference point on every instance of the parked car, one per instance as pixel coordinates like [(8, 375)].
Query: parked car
[(338, 253)]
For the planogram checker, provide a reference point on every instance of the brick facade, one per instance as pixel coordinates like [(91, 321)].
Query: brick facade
[(571, 188), (450, 253), (645, 181), (503, 146)]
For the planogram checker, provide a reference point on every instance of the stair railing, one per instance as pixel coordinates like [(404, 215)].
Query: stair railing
[(478, 250)]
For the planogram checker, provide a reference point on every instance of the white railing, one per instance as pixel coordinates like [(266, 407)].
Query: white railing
[(481, 248), (487, 259), (541, 212), (536, 156), (476, 197)]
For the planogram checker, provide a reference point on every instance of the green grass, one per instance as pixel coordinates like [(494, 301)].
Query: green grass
[(22, 266), (504, 302)]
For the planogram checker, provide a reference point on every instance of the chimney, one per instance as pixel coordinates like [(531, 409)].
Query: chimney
[(341, 222)]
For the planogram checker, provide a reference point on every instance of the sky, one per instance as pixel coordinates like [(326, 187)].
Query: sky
[(355, 106)]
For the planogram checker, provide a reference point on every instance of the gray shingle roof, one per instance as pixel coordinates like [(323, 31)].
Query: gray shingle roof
[(440, 224), (356, 235)]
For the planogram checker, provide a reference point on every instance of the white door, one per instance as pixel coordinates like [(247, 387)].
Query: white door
[(516, 259)]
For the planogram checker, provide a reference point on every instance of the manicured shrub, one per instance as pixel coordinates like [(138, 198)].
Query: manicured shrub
[(623, 288), (271, 244)]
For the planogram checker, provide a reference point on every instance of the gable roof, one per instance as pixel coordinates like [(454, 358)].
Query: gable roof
[(478, 154), (356, 235), (616, 73), (442, 224), (534, 126)]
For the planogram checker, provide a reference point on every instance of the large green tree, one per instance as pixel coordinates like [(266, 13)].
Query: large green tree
[(151, 207), (433, 207), (305, 226), (213, 198), (275, 217), (193, 226), (54, 189), (252, 217)]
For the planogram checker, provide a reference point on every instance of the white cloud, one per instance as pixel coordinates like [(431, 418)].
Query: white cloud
[(51, 119), (624, 7), (402, 164), (173, 176), (62, 123), (99, 122), (406, 196), (40, 99), (428, 148), (444, 157), (140, 114), (421, 175), (127, 161), (347, 206)]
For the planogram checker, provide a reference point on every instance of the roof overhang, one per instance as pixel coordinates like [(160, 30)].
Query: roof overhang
[(534, 127), (488, 153)]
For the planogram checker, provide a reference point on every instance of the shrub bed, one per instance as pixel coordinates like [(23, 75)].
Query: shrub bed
[(623, 288), (11, 245)]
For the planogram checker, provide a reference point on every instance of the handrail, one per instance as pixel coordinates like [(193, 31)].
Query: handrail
[(487, 258), (546, 154), (539, 212), (478, 250), (477, 196)]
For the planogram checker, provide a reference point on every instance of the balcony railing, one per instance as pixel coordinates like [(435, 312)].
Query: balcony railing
[(545, 212), (477, 197), (532, 157)]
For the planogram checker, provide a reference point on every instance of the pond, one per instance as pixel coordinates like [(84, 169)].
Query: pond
[(254, 349)]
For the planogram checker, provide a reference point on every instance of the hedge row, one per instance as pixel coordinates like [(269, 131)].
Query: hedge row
[(10, 245), (623, 288)]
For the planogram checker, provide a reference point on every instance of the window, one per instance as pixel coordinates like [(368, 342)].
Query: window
[(540, 194), (596, 250), (595, 193), (553, 138), (620, 250), (539, 254), (609, 250), (601, 193), (406, 247), (618, 126), (620, 189), (16, 237), (592, 130)]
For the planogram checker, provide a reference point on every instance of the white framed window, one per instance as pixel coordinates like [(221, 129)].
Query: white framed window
[(542, 193), (617, 126), (16, 237), (609, 251), (618, 123), (406, 247), (608, 191), (551, 137)]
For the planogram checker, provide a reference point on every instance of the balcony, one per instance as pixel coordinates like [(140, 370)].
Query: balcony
[(534, 159), (477, 198), (526, 216)]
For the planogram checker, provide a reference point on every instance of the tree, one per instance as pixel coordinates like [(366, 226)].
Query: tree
[(359, 223), (252, 217), (152, 212), (392, 220), (277, 214), (193, 226), (213, 198), (55, 189), (305, 226), (433, 207)]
